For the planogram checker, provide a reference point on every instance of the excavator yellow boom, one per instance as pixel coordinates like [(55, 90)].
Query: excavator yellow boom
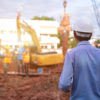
[(30, 31)]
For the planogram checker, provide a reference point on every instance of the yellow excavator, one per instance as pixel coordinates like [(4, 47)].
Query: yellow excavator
[(36, 56)]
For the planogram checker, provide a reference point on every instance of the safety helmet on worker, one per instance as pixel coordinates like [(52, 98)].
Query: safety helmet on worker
[(83, 24), (83, 29)]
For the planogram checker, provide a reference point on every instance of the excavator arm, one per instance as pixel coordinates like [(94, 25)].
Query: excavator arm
[(30, 31), (18, 28), (39, 58)]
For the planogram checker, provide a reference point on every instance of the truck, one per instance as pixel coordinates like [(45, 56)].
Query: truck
[(37, 57)]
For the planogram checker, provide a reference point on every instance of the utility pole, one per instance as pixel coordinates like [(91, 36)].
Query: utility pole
[(64, 28)]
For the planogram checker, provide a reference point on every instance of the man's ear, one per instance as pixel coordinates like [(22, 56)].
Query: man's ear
[(75, 37)]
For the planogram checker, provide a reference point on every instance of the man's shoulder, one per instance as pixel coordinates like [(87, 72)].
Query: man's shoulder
[(96, 49), (73, 50), (80, 49)]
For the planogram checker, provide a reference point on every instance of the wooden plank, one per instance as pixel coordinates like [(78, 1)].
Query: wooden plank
[(29, 74)]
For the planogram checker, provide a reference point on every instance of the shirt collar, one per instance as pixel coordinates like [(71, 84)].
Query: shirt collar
[(83, 43)]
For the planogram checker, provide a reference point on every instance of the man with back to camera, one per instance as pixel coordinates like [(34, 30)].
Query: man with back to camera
[(82, 65)]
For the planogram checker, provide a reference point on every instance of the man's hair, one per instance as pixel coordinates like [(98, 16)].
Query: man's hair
[(82, 38)]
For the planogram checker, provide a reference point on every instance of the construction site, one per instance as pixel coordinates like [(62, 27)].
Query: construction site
[(33, 87), (36, 78), (30, 59), (32, 55)]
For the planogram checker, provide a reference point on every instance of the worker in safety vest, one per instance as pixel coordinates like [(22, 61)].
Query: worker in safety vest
[(26, 60), (20, 53), (82, 65), (6, 60)]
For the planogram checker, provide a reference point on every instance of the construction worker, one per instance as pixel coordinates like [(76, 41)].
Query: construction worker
[(26, 60), (1, 53), (82, 65), (20, 53), (6, 60)]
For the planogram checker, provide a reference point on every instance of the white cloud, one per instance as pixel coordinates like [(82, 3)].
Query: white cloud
[(30, 7), (51, 8)]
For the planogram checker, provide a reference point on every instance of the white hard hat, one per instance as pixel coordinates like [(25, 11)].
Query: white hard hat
[(83, 25)]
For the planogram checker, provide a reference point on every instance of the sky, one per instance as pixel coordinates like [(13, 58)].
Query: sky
[(50, 8), (30, 8)]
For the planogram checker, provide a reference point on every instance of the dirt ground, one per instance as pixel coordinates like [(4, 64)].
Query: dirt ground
[(14, 87)]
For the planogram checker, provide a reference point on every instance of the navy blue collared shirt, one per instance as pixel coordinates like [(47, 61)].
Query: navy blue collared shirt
[(82, 71)]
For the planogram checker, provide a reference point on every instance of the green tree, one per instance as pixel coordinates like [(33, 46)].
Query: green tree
[(97, 41), (59, 37), (42, 18), (71, 42)]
